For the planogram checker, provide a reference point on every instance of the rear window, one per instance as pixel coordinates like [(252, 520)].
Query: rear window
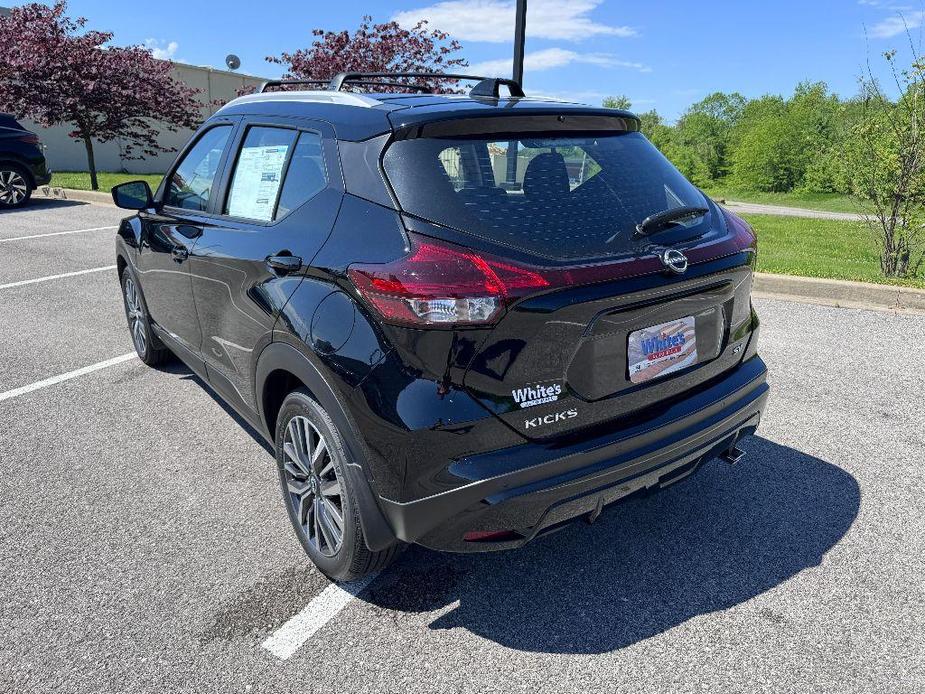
[(561, 197)]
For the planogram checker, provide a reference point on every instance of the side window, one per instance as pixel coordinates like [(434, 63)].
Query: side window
[(307, 175), (191, 183), (258, 173)]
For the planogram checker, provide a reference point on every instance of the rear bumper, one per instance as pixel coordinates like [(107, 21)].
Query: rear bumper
[(534, 488), (40, 172)]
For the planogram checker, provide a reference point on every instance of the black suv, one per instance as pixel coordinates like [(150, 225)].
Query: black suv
[(459, 320), (22, 163)]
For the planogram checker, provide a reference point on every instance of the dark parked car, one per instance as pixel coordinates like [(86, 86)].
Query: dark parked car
[(460, 321), (22, 163)]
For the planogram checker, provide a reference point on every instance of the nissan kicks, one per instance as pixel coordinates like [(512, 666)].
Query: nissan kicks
[(462, 321)]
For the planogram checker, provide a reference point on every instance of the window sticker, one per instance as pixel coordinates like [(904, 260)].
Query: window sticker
[(256, 182)]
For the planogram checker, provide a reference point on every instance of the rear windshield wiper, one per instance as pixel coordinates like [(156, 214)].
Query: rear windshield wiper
[(660, 220)]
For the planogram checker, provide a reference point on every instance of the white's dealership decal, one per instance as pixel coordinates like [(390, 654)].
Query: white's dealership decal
[(536, 395), (550, 418)]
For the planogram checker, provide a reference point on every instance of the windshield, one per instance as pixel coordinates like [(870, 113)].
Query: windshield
[(564, 198)]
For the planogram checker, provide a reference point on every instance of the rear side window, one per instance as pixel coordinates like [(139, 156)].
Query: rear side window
[(277, 170), (258, 173), (191, 183), (307, 175), (560, 197)]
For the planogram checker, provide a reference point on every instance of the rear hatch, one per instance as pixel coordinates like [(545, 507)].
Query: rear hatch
[(614, 330)]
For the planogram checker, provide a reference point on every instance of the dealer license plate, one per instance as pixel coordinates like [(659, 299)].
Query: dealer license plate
[(662, 349)]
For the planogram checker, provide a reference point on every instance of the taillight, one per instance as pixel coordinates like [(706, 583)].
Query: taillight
[(440, 284), (29, 138), (443, 285)]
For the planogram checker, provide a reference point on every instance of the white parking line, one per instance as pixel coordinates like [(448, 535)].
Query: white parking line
[(322, 609), (56, 277), (56, 233), (38, 385)]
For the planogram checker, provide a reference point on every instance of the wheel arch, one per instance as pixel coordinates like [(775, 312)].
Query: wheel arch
[(22, 166), (281, 368)]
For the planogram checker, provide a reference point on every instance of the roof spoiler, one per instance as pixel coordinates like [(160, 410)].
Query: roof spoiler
[(486, 87)]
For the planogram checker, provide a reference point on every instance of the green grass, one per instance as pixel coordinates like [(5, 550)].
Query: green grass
[(826, 202), (820, 248), (80, 180)]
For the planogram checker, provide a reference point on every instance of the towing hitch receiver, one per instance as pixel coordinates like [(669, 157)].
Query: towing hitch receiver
[(733, 455)]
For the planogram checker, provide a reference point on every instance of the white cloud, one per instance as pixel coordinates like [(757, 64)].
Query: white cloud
[(161, 49), (550, 58), (898, 24), (493, 20)]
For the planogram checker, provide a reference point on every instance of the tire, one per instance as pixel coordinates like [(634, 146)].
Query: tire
[(148, 348), (15, 186), (318, 497)]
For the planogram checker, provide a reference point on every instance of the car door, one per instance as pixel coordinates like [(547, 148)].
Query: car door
[(171, 231), (279, 200)]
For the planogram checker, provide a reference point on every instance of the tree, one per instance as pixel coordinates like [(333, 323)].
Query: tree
[(621, 101), (781, 144), (727, 109), (886, 161), (654, 128), (764, 152), (701, 138), (55, 72), (376, 48), (816, 117)]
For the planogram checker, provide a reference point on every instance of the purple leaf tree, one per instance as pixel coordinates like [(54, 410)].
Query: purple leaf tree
[(376, 48), (55, 72)]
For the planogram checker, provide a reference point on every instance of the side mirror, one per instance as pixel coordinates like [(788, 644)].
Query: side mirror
[(134, 195)]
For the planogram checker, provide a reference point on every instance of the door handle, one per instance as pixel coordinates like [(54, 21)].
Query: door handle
[(284, 263), (179, 254)]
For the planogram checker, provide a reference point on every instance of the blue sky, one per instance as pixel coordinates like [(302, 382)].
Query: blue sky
[(663, 54)]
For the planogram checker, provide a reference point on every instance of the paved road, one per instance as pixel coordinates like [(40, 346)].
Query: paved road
[(755, 208), (145, 549)]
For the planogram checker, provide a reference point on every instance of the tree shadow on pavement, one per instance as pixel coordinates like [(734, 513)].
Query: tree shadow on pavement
[(650, 563)]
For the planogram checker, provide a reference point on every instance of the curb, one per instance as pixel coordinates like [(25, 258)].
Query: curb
[(839, 293), (96, 197)]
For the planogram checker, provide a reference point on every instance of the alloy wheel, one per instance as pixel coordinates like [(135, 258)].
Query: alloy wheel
[(135, 315), (313, 485), (13, 187)]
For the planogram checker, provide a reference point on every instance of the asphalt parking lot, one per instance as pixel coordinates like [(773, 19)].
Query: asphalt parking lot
[(144, 546)]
